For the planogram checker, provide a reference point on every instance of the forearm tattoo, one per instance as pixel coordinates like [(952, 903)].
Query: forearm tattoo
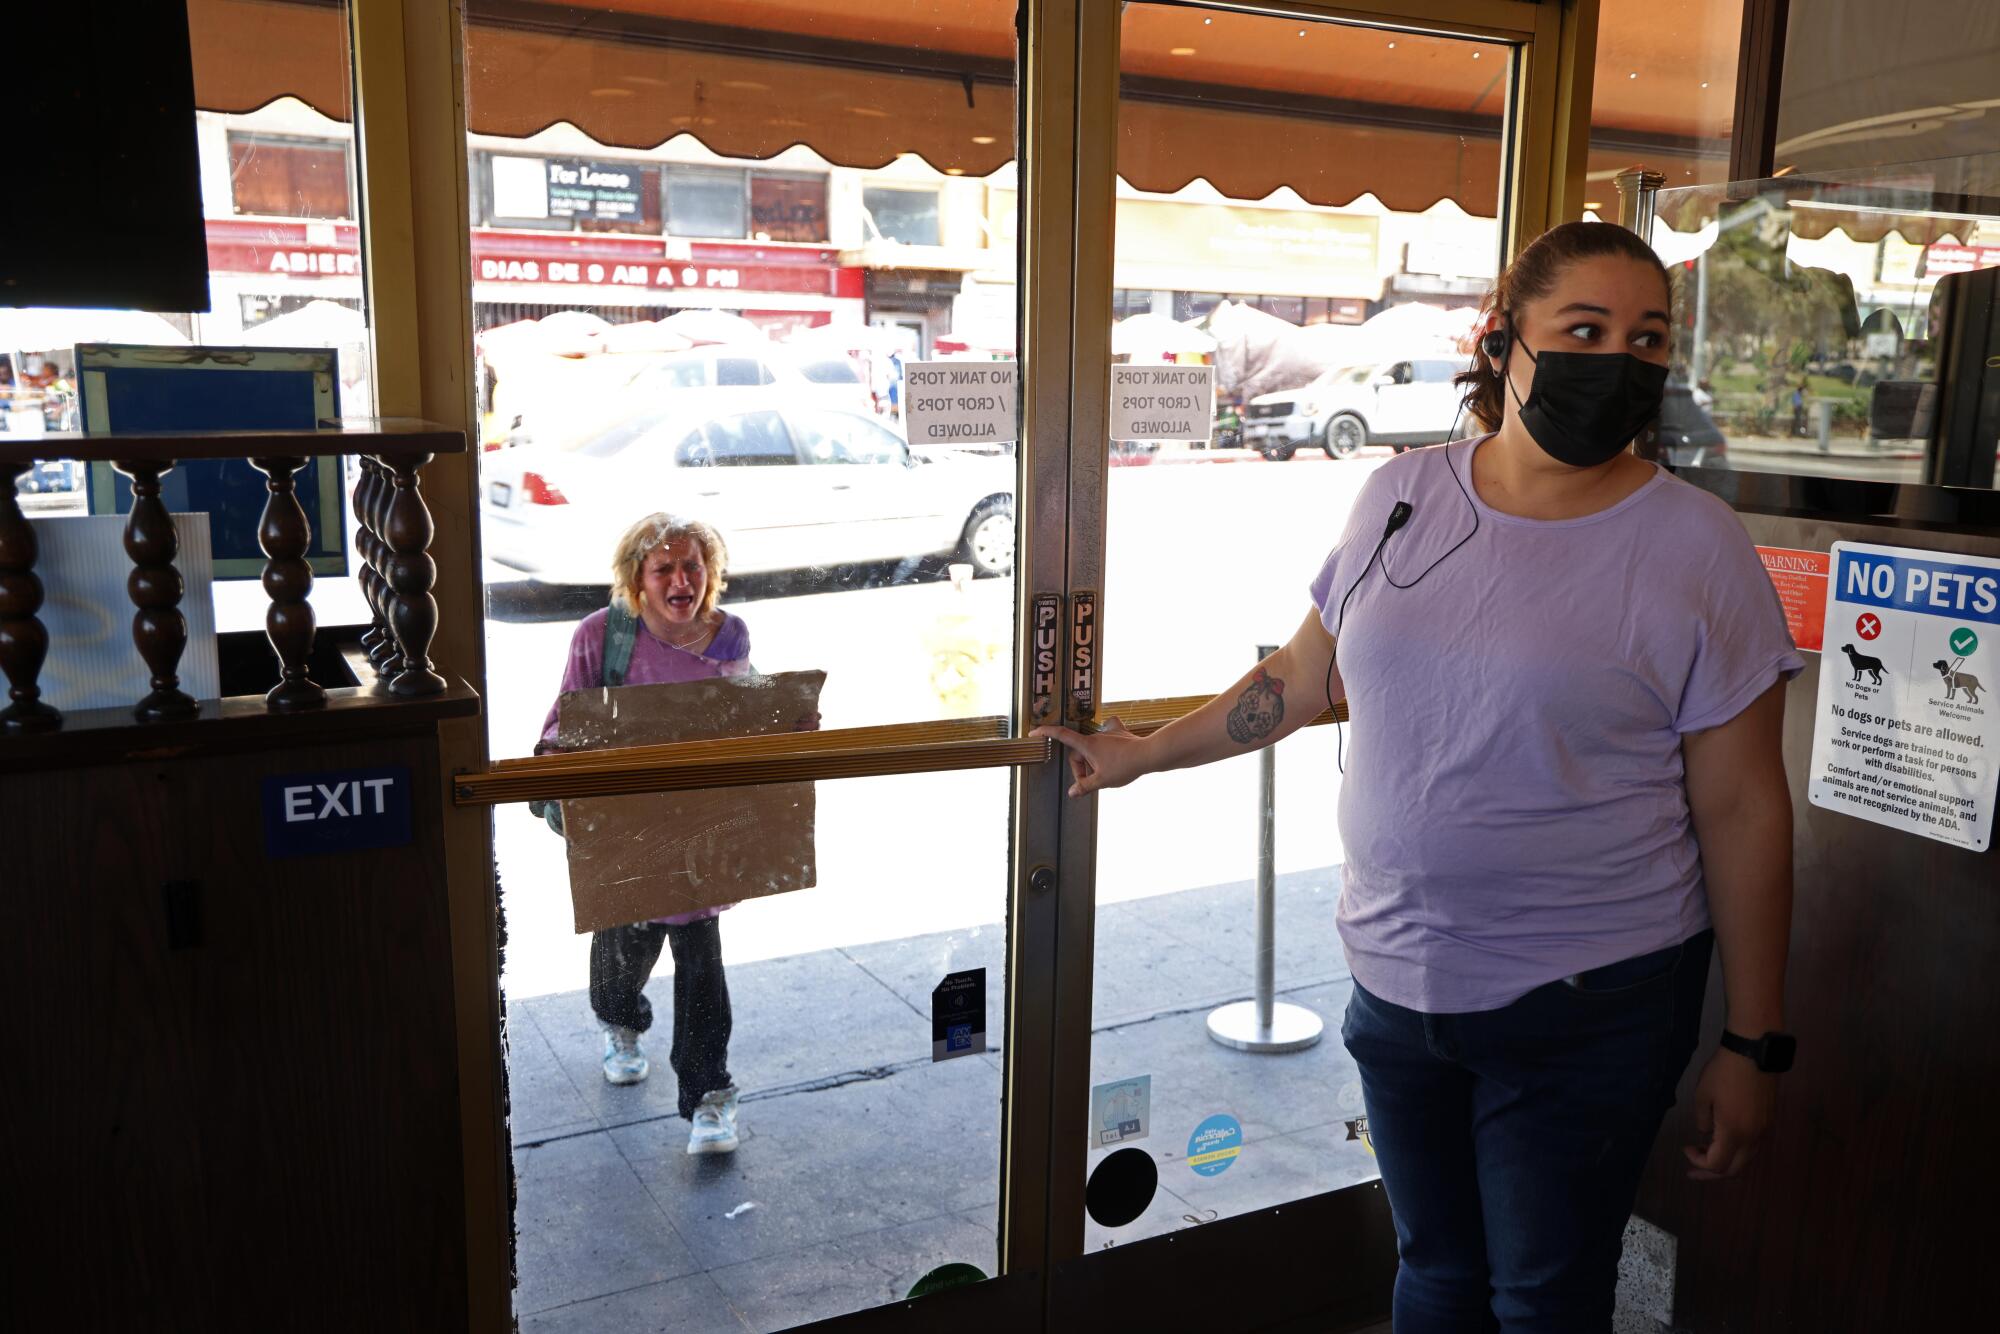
[(1259, 709)]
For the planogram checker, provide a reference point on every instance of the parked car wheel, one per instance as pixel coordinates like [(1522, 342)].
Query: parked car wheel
[(1344, 437), (989, 537), (1277, 451)]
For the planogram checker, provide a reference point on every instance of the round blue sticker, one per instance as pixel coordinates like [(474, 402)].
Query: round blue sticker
[(1214, 1145)]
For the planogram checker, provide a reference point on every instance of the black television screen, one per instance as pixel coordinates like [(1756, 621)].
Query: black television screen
[(102, 203)]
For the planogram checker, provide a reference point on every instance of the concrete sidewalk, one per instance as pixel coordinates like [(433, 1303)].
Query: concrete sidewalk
[(863, 1164)]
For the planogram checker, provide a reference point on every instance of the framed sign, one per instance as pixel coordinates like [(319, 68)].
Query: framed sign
[(125, 388)]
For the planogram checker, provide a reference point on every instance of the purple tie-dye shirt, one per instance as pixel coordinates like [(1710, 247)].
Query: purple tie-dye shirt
[(1514, 808), (654, 662)]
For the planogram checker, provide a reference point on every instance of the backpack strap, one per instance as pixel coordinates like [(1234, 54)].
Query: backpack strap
[(621, 632)]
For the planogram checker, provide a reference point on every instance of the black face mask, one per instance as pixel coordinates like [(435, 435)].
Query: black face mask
[(1585, 407)]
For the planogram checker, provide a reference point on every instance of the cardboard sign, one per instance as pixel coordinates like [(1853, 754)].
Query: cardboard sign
[(659, 854), (958, 1015), (960, 402), (346, 810), (1906, 730), (1162, 402), (1800, 578)]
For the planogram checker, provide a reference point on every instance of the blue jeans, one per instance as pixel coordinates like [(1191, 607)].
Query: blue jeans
[(1512, 1141)]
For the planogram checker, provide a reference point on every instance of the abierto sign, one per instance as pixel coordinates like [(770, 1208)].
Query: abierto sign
[(1906, 732), (1162, 402), (960, 402)]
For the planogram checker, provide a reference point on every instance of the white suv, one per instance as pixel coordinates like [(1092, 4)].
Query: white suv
[(1394, 403)]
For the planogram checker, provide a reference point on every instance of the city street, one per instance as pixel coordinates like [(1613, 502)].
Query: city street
[(1206, 562)]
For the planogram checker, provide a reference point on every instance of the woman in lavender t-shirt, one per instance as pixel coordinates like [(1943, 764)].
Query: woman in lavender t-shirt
[(1567, 672), (668, 573)]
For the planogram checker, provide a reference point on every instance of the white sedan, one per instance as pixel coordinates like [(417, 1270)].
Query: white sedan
[(789, 489)]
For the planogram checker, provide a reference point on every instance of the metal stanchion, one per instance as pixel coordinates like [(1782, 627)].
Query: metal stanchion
[(1263, 1024)]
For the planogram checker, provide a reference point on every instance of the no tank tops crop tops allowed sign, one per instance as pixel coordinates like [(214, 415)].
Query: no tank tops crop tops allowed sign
[(1906, 732)]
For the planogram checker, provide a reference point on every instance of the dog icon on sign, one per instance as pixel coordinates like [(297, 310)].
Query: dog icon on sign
[(1861, 662)]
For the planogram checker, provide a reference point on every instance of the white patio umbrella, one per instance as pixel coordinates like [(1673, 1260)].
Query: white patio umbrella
[(46, 328), (644, 336), (871, 338), (1415, 321), (567, 333), (1139, 335), (712, 326), (318, 323)]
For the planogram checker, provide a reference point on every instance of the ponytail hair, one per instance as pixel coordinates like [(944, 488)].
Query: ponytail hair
[(1533, 275)]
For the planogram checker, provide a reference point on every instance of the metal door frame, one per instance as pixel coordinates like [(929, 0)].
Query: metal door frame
[(415, 227)]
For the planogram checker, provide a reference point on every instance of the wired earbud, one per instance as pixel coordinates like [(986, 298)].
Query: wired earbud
[(1494, 344)]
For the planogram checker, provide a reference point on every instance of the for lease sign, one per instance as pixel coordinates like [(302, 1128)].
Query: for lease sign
[(1906, 730)]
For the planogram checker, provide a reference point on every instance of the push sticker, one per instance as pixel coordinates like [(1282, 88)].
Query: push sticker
[(1215, 1145)]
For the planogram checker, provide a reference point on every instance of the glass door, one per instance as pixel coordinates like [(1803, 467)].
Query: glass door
[(1303, 217), (830, 441), (732, 276)]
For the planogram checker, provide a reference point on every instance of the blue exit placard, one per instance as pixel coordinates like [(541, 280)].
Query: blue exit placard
[(341, 810)]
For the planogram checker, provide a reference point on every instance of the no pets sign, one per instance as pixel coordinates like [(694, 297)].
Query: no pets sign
[(1906, 731)]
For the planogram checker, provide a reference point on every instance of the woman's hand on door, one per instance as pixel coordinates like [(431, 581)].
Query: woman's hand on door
[(1109, 757)]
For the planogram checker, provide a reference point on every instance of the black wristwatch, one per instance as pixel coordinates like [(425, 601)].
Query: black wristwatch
[(1773, 1052)]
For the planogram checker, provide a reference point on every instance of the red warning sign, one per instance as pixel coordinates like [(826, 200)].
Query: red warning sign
[(1800, 578)]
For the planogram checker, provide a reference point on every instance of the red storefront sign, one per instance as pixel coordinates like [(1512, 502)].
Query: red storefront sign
[(540, 259), (1943, 259)]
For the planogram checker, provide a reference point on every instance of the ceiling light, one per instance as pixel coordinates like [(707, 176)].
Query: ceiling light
[(1593, 207), (1704, 85), (1475, 55), (954, 171), (1181, 51), (982, 139), (1633, 75), (1392, 46), (1206, 22)]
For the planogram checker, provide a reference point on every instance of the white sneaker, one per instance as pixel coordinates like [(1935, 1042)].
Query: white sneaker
[(715, 1123), (624, 1063)]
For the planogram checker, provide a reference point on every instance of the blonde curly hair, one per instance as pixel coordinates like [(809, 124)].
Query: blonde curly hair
[(642, 539)]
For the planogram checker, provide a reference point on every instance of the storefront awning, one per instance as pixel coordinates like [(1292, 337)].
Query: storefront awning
[(1248, 103)]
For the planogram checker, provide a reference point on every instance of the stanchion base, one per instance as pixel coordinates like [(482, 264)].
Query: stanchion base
[(1293, 1027)]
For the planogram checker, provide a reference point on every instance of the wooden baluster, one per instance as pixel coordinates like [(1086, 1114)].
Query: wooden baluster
[(158, 627), (411, 574), (388, 657), (371, 589), (24, 642), (285, 536)]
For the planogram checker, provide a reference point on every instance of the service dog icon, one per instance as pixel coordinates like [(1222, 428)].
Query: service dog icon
[(1955, 680)]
